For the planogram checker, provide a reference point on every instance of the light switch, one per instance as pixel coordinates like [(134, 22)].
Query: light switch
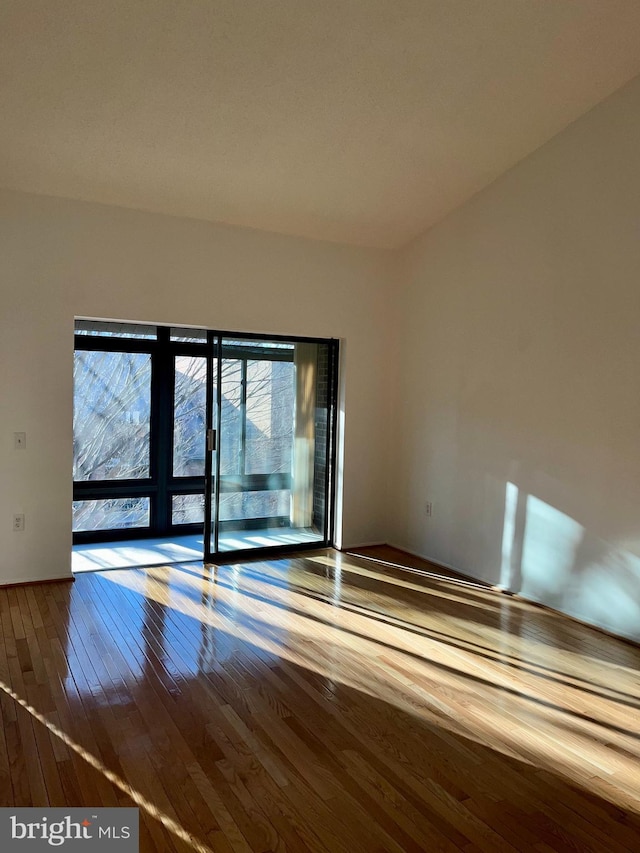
[(19, 440)]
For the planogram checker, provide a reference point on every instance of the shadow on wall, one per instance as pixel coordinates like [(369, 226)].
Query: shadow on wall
[(551, 558)]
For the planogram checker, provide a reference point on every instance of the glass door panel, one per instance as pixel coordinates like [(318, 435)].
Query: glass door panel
[(273, 443), (270, 416)]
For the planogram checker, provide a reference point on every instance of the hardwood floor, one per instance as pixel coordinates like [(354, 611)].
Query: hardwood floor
[(324, 703)]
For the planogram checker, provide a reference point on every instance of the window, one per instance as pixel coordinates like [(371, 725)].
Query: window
[(111, 415)]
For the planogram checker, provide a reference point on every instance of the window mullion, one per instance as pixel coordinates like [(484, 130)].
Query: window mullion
[(162, 431)]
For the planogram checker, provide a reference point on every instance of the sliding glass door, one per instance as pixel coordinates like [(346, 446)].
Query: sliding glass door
[(274, 442), (180, 429)]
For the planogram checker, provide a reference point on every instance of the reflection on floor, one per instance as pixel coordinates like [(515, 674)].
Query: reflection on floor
[(179, 549)]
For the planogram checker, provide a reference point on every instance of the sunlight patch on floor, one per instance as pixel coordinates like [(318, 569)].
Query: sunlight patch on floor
[(422, 676)]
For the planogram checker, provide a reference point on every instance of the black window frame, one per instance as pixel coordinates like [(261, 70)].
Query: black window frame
[(162, 485)]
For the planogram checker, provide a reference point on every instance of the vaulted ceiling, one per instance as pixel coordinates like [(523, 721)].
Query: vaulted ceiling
[(357, 121)]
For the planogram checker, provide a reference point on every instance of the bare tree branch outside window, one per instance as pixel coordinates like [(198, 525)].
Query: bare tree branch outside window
[(112, 416)]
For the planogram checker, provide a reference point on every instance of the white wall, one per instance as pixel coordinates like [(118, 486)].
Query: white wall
[(63, 258), (514, 393), (519, 391)]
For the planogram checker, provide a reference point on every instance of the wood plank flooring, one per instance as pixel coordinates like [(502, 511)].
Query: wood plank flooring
[(320, 703)]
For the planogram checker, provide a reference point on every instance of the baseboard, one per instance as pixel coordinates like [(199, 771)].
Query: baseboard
[(31, 581), (362, 545), (519, 597), (438, 563), (449, 572), (576, 619)]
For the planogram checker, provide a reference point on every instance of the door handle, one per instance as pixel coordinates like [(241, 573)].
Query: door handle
[(211, 440)]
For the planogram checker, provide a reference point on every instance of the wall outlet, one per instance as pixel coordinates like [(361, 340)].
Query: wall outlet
[(18, 522), (428, 509)]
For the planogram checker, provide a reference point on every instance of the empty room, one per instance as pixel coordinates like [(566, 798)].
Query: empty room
[(320, 469)]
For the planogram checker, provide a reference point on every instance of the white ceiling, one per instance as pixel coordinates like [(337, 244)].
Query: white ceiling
[(358, 121)]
